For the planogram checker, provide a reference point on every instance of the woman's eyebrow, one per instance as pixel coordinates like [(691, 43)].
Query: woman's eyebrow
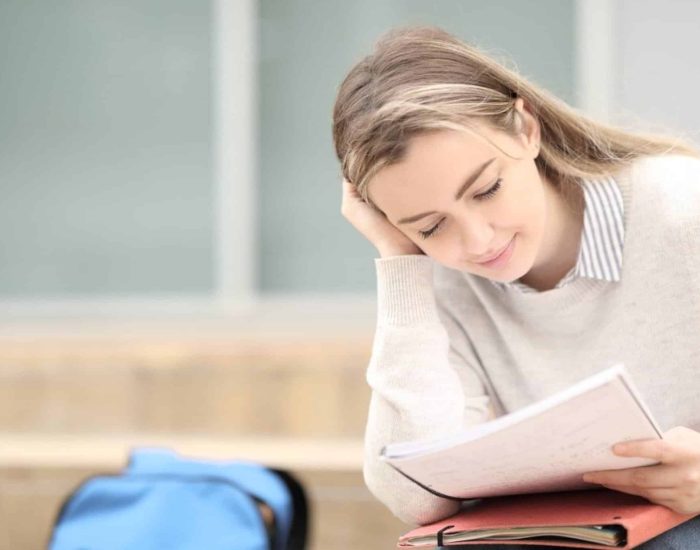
[(463, 189)]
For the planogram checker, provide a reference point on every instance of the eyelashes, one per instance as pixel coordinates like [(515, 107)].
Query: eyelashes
[(483, 196), (491, 191)]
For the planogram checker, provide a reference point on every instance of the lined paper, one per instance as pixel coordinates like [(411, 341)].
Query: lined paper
[(545, 447)]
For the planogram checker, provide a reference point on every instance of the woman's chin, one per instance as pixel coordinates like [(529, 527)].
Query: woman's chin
[(508, 275)]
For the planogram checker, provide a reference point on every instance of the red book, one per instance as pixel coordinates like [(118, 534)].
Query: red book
[(598, 518)]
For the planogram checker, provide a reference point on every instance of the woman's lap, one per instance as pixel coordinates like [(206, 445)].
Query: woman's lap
[(685, 536)]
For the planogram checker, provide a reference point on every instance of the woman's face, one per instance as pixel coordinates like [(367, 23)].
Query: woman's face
[(503, 209)]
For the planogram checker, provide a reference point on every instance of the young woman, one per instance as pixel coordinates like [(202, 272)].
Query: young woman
[(523, 247)]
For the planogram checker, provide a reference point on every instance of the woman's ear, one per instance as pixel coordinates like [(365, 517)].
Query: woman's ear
[(527, 126)]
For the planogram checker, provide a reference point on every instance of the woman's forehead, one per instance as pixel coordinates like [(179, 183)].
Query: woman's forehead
[(430, 160)]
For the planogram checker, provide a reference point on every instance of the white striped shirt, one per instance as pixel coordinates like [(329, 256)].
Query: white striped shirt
[(600, 254)]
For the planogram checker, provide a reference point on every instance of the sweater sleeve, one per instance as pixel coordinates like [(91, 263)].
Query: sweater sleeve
[(417, 392)]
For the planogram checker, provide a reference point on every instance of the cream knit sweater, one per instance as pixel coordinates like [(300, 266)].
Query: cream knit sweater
[(451, 348)]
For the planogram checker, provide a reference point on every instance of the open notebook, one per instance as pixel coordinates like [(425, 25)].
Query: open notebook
[(522, 473), (544, 447)]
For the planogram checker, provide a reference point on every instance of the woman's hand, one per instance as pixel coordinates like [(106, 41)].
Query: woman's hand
[(374, 225), (675, 482)]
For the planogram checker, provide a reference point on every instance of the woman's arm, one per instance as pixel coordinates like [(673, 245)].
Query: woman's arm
[(416, 390)]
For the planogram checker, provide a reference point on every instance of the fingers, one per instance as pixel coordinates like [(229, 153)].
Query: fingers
[(349, 187), (665, 497), (667, 493), (679, 445), (660, 450), (645, 477), (350, 192)]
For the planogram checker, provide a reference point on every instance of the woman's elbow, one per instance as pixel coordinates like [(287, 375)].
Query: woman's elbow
[(407, 501)]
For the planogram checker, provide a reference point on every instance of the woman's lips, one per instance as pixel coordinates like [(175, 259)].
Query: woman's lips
[(503, 256)]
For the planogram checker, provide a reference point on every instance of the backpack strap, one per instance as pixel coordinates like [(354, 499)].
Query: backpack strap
[(298, 533)]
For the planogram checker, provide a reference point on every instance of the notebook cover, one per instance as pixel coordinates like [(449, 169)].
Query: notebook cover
[(643, 519)]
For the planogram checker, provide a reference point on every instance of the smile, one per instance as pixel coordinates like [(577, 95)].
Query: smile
[(502, 257)]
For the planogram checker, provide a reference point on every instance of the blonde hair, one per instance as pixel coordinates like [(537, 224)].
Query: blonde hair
[(422, 79)]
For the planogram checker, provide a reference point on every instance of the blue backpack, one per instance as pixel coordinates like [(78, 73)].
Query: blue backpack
[(164, 501)]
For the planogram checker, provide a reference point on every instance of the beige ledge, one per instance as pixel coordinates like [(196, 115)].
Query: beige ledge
[(111, 452)]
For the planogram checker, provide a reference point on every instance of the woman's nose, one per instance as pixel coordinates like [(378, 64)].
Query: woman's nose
[(476, 238)]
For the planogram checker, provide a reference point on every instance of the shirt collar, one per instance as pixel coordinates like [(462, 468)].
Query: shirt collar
[(602, 238)]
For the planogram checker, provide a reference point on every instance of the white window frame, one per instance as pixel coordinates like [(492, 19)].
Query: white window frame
[(594, 79)]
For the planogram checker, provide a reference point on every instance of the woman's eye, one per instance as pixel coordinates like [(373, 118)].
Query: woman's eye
[(429, 232), (483, 196), (491, 191)]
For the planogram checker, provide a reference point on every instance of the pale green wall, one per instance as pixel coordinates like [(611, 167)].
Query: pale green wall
[(105, 146)]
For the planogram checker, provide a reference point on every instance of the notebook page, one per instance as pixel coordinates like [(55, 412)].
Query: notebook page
[(543, 448)]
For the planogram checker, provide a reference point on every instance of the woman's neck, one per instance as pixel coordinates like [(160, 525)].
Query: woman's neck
[(562, 237)]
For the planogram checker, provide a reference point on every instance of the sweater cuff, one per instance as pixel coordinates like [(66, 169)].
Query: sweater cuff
[(405, 292)]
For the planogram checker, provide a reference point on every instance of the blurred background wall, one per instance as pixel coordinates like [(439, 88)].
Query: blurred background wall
[(175, 268)]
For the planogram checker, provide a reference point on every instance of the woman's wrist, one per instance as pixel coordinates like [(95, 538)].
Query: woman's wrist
[(389, 251), (405, 290)]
